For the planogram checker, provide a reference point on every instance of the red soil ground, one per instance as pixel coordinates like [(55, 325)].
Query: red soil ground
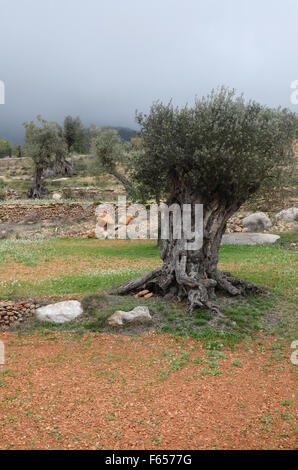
[(99, 391)]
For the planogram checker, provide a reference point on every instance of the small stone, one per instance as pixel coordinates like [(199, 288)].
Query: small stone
[(57, 196), (137, 315), (142, 293), (147, 296)]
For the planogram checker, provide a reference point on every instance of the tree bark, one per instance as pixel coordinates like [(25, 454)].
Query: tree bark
[(38, 189), (64, 168), (59, 168), (192, 275), (126, 183)]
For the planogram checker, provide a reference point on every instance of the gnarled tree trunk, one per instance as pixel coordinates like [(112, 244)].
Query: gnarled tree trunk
[(192, 275), (59, 168), (38, 189)]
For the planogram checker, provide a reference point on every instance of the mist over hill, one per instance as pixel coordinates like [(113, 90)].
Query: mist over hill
[(15, 134), (125, 132)]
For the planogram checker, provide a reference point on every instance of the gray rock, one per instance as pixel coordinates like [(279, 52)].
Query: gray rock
[(256, 222), (244, 238), (4, 234), (32, 217), (61, 312), (288, 215), (137, 315)]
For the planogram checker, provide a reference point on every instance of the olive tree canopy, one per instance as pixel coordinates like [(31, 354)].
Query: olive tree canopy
[(74, 134)]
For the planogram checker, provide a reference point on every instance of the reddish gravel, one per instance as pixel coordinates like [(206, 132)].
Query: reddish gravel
[(99, 391)]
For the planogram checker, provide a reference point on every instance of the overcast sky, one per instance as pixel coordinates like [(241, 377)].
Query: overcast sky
[(103, 59)]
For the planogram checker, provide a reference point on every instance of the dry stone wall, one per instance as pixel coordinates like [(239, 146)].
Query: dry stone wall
[(22, 213), (14, 313)]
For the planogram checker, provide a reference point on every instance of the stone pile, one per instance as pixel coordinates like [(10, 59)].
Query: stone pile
[(24, 213), (234, 224), (82, 220), (14, 313), (11, 194), (89, 193)]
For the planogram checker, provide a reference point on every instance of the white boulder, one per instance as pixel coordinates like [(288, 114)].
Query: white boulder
[(137, 315), (288, 215), (256, 222), (61, 312), (248, 238)]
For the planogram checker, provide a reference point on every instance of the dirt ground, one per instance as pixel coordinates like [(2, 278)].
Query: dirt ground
[(49, 269), (100, 391)]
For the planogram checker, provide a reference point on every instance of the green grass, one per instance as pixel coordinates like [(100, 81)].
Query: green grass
[(73, 284), (30, 252), (269, 265), (273, 266)]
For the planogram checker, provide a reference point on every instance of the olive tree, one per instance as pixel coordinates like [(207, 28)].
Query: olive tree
[(216, 153), (46, 146), (74, 133), (108, 153), (5, 145)]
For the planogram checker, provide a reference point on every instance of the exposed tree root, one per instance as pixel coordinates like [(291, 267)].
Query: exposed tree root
[(197, 292)]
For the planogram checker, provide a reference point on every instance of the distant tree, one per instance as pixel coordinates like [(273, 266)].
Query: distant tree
[(5, 146), (108, 154), (111, 155), (47, 148), (125, 133), (90, 134), (276, 187), (17, 151), (74, 134), (218, 154)]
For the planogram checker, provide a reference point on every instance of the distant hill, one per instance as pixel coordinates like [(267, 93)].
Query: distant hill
[(15, 134), (125, 132)]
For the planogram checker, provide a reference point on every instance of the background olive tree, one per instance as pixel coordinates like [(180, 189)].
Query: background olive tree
[(5, 146), (109, 155), (113, 156), (45, 145), (74, 134)]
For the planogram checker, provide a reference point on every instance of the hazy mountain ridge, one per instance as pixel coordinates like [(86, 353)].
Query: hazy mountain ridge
[(16, 136)]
